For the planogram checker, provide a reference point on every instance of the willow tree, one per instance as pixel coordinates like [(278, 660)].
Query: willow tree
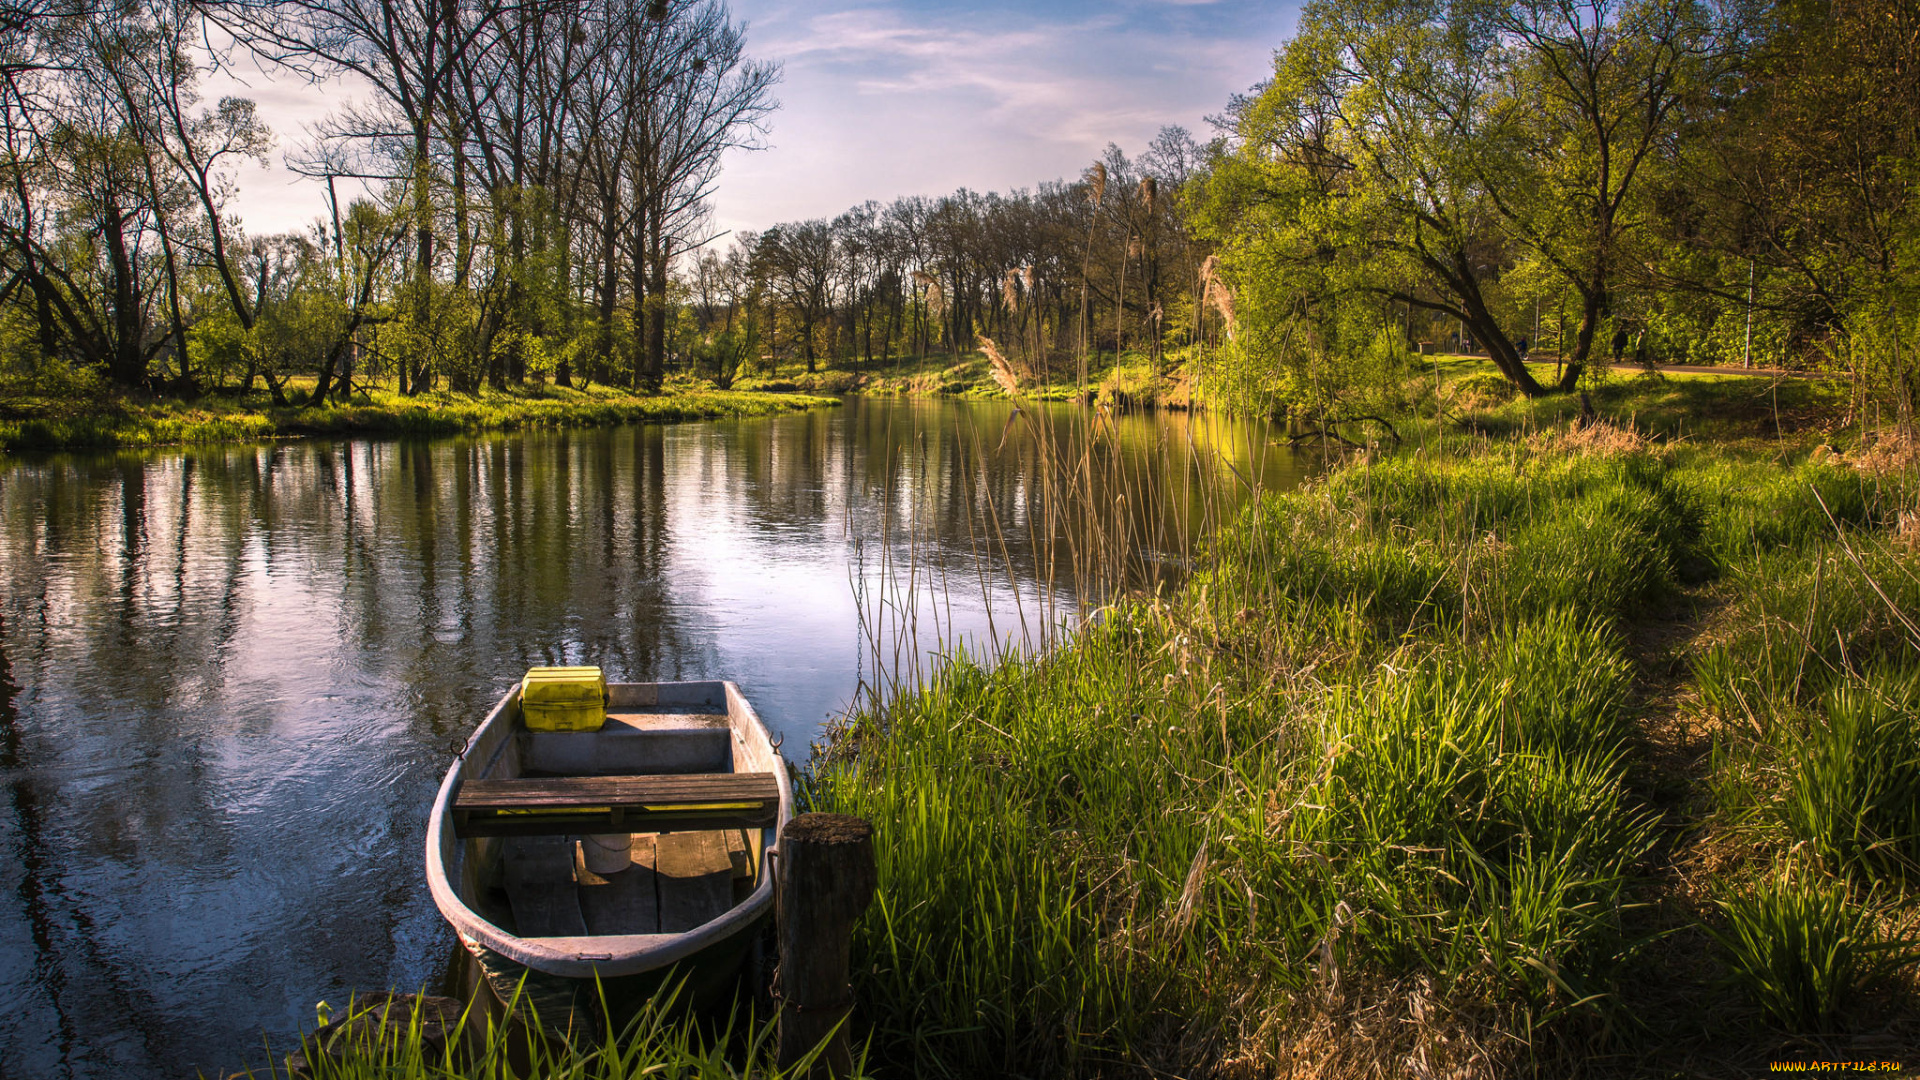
[(1417, 152)]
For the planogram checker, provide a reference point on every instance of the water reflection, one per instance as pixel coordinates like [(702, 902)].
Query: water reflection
[(230, 678)]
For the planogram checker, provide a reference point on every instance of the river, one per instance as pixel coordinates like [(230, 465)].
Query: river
[(232, 677)]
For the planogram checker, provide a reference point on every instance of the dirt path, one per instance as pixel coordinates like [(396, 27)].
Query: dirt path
[(1539, 360), (1669, 983)]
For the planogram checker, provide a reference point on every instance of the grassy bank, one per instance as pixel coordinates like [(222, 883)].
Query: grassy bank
[(121, 422), (1127, 382), (1731, 409), (1564, 754)]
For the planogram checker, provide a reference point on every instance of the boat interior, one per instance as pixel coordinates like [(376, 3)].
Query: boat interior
[(671, 878)]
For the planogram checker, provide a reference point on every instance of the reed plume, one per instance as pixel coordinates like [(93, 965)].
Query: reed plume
[(1221, 297), (1216, 293), (1149, 190), (1010, 290), (1097, 181), (936, 296), (1207, 268), (1002, 371)]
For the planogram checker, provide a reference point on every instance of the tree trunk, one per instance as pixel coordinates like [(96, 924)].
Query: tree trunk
[(422, 314), (1592, 309), (655, 372), (126, 364)]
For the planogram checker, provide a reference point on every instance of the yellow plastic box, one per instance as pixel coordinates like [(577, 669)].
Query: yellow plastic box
[(564, 699)]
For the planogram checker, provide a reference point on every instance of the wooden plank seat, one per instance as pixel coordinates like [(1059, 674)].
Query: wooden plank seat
[(550, 805)]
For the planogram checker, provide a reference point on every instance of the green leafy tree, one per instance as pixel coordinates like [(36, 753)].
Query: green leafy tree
[(1418, 152)]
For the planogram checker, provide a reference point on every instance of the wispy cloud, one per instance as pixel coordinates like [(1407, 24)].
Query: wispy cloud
[(928, 98)]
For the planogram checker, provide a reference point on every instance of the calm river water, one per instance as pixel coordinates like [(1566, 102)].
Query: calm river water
[(231, 678)]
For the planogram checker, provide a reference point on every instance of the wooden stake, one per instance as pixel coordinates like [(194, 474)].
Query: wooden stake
[(826, 880)]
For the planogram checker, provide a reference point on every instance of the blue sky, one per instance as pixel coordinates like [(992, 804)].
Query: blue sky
[(886, 99)]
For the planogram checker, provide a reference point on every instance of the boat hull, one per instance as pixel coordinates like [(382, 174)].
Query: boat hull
[(586, 984), (592, 1005)]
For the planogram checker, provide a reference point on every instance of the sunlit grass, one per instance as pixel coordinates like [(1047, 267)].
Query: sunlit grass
[(661, 1040), (1383, 734), (1805, 950), (127, 423)]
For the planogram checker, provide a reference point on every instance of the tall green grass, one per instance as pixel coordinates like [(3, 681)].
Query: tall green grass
[(1381, 733), (1810, 668), (1805, 950), (1387, 732), (1473, 805), (1851, 775)]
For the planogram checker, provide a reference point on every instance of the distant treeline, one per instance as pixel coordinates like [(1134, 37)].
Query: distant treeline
[(1046, 276), (539, 179)]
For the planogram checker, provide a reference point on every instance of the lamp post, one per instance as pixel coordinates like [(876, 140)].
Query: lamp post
[(1746, 359)]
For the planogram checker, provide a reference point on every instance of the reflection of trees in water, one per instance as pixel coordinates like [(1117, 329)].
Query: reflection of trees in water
[(1030, 512), (1064, 500), (75, 979), (169, 598), (497, 555)]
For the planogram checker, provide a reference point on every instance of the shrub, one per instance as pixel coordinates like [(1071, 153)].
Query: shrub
[(1481, 389)]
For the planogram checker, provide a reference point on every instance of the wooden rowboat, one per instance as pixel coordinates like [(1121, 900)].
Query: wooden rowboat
[(519, 841)]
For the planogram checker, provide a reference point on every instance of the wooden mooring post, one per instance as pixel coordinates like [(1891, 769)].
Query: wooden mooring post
[(826, 879)]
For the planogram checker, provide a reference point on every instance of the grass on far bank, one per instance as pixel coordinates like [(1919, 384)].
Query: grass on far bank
[(1457, 394), (970, 375), (1385, 791), (27, 424)]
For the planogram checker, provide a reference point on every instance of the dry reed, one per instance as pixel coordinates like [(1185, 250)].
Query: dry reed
[(1222, 299), (1003, 374), (936, 296), (1215, 293), (1886, 453), (1600, 438)]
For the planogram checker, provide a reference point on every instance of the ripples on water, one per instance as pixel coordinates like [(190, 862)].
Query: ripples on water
[(231, 678)]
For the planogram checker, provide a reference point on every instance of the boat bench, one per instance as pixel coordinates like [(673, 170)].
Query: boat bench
[(551, 805)]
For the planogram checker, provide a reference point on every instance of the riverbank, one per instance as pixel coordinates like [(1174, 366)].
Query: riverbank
[(1466, 391), (109, 423), (1565, 753), (1126, 383), (1555, 752)]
